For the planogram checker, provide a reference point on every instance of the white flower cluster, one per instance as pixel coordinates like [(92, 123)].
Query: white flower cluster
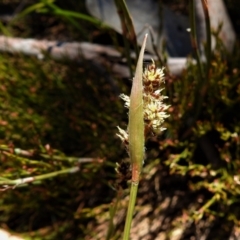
[(154, 108)]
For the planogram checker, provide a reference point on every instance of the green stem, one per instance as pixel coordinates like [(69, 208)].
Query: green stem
[(22, 181), (136, 137), (199, 91), (128, 31), (209, 203), (131, 206), (194, 39), (127, 23), (208, 33), (113, 210)]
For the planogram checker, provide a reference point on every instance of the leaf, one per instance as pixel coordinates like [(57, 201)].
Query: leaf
[(136, 123)]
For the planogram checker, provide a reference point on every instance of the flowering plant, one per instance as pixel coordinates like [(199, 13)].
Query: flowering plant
[(147, 113)]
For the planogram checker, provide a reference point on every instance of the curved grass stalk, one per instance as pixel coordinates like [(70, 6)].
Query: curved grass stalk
[(136, 138)]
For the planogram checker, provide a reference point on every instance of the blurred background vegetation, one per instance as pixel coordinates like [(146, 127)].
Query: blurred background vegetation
[(60, 113)]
